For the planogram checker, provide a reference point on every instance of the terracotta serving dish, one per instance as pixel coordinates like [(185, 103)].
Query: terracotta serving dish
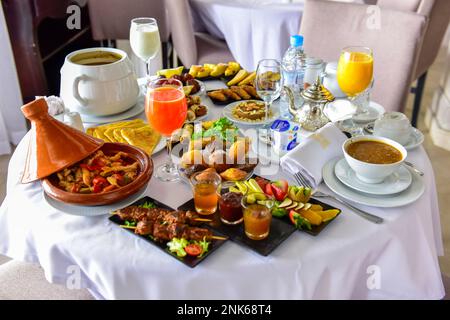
[(51, 188)]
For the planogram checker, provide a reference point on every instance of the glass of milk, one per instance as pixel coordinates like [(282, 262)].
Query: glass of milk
[(144, 39)]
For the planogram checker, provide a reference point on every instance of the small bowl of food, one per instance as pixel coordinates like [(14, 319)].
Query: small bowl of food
[(373, 158), (112, 173)]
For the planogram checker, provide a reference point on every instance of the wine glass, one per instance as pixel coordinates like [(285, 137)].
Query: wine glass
[(355, 74), (144, 40), (268, 82), (166, 109), (355, 77)]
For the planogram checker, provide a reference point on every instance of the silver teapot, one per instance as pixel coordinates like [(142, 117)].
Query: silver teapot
[(309, 114)]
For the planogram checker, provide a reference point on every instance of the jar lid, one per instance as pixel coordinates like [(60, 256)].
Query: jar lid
[(317, 93), (331, 66), (313, 61)]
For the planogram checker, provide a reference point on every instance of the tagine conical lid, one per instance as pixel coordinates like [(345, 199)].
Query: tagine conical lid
[(53, 145)]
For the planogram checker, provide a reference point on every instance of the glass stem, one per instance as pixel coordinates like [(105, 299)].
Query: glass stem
[(147, 69), (169, 163)]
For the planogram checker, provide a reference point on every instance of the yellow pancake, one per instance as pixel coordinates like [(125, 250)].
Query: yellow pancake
[(145, 138)]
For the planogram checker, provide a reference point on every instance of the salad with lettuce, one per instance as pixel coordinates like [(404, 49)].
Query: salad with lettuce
[(222, 128), (182, 247)]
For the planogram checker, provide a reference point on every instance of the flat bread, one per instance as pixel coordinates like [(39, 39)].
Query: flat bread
[(145, 138), (106, 131)]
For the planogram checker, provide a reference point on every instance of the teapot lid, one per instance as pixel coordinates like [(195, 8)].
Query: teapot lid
[(317, 92)]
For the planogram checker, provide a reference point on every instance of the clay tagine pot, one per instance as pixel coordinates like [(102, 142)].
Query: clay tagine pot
[(51, 188), (53, 145)]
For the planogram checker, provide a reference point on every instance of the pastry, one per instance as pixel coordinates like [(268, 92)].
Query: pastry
[(241, 92), (251, 91), (231, 95), (233, 174), (217, 95)]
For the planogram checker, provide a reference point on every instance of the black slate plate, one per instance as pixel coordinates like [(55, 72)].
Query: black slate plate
[(315, 230), (279, 231), (187, 260)]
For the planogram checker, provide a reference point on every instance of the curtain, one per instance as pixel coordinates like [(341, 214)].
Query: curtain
[(12, 122)]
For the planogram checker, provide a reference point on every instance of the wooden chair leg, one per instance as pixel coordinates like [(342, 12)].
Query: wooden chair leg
[(418, 92), (165, 55)]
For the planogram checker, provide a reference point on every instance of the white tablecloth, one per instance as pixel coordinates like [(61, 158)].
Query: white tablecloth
[(253, 30), (114, 264)]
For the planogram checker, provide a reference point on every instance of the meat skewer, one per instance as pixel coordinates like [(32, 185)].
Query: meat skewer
[(135, 213), (190, 233), (164, 225)]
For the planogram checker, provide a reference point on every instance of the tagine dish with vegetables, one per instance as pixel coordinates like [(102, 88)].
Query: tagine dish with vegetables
[(99, 173)]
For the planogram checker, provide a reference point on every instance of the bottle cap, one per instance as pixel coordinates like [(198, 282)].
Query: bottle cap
[(296, 40)]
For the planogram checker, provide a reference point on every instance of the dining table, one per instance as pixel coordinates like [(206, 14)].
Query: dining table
[(352, 258), (253, 30)]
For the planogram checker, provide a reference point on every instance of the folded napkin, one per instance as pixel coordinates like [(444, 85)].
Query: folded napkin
[(313, 153)]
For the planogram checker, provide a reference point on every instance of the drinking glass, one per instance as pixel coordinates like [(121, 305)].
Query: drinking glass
[(166, 109), (144, 40), (268, 82), (206, 187), (230, 208), (355, 74), (257, 215)]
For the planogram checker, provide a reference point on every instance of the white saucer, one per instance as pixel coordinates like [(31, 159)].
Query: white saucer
[(135, 110), (395, 183), (415, 140), (91, 211), (227, 112), (339, 110), (375, 110), (405, 197)]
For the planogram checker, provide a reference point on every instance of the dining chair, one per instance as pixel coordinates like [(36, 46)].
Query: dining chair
[(110, 20), (438, 14), (330, 26), (194, 47)]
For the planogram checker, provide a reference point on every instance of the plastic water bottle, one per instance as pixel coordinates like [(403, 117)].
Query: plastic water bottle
[(293, 67)]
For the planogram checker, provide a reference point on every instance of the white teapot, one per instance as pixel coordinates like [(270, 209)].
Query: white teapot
[(329, 80)]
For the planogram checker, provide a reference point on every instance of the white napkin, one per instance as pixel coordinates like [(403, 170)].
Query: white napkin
[(313, 153)]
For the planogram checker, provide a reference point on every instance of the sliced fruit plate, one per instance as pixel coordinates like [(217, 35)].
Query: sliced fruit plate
[(293, 204)]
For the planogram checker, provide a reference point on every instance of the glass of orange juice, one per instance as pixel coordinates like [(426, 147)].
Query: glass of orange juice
[(166, 109), (355, 74), (257, 215), (206, 187)]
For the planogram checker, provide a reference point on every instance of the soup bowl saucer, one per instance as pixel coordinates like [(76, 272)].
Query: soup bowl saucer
[(372, 172), (392, 184)]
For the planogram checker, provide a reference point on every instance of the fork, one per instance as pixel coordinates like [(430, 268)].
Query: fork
[(319, 194)]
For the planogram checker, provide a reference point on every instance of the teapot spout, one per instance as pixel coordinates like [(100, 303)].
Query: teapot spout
[(291, 100)]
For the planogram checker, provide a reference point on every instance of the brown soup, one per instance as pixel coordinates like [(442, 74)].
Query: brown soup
[(374, 152), (96, 58)]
